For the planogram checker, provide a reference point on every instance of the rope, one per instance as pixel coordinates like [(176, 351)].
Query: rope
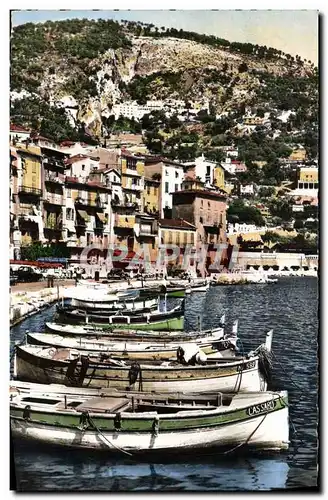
[(239, 377), (251, 434), (106, 439), (281, 366)]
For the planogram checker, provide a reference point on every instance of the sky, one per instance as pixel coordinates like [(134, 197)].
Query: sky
[(292, 31)]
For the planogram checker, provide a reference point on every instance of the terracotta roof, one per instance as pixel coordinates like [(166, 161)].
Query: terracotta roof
[(176, 223), (75, 158), (157, 159), (43, 138), (18, 128), (96, 184), (201, 192)]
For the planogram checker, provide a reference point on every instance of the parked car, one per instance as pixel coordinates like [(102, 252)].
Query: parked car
[(27, 274), (13, 277)]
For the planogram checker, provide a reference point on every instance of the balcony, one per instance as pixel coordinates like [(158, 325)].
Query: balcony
[(26, 210), (147, 232), (54, 226), (30, 190), (54, 177), (53, 163), (134, 187), (90, 203), (54, 199), (124, 221)]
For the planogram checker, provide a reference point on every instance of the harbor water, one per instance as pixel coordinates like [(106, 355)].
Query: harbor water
[(290, 308)]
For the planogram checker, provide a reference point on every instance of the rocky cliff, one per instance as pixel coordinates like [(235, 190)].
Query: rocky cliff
[(86, 67)]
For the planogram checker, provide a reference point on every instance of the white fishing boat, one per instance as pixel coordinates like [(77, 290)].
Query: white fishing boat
[(132, 423), (78, 368), (209, 344), (202, 288), (90, 330)]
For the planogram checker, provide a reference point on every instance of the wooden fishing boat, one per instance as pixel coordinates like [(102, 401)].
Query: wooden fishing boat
[(131, 308), (133, 349), (202, 288), (83, 369), (141, 335), (150, 423), (103, 306), (156, 320), (175, 292)]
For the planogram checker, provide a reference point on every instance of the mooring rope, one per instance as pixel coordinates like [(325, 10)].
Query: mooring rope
[(251, 434), (90, 420), (281, 366)]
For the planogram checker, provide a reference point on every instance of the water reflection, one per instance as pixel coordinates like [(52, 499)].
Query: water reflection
[(71, 470), (289, 308)]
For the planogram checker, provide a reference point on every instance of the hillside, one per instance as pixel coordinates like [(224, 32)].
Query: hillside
[(67, 75)]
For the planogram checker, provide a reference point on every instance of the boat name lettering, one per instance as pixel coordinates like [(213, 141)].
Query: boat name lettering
[(261, 408), (246, 366)]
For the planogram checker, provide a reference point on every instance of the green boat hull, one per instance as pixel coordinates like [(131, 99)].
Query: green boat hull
[(169, 324), (178, 293)]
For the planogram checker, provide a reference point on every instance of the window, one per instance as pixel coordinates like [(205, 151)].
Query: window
[(300, 185), (311, 185), (178, 238), (131, 164), (185, 237), (176, 174), (166, 187), (208, 170), (201, 220), (148, 190), (192, 238), (201, 202), (166, 172), (209, 204), (306, 185), (34, 167), (176, 187), (315, 185), (83, 167), (69, 214)]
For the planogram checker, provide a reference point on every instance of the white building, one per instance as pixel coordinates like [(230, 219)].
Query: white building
[(204, 169), (247, 189), (131, 109), (81, 165), (244, 228), (18, 133), (307, 184)]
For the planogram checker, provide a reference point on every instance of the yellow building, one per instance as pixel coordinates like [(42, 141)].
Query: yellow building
[(308, 174), (29, 193), (253, 120), (176, 232), (298, 154), (132, 170), (219, 177), (150, 196), (30, 166)]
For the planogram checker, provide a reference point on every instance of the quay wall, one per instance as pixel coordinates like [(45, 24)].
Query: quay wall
[(282, 260), (24, 304)]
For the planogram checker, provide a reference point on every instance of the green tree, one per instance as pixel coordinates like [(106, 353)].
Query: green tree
[(245, 213)]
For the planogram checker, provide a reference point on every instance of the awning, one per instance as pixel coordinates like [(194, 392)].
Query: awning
[(101, 217), (83, 214)]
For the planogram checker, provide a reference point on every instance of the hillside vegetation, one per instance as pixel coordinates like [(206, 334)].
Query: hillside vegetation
[(66, 76)]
